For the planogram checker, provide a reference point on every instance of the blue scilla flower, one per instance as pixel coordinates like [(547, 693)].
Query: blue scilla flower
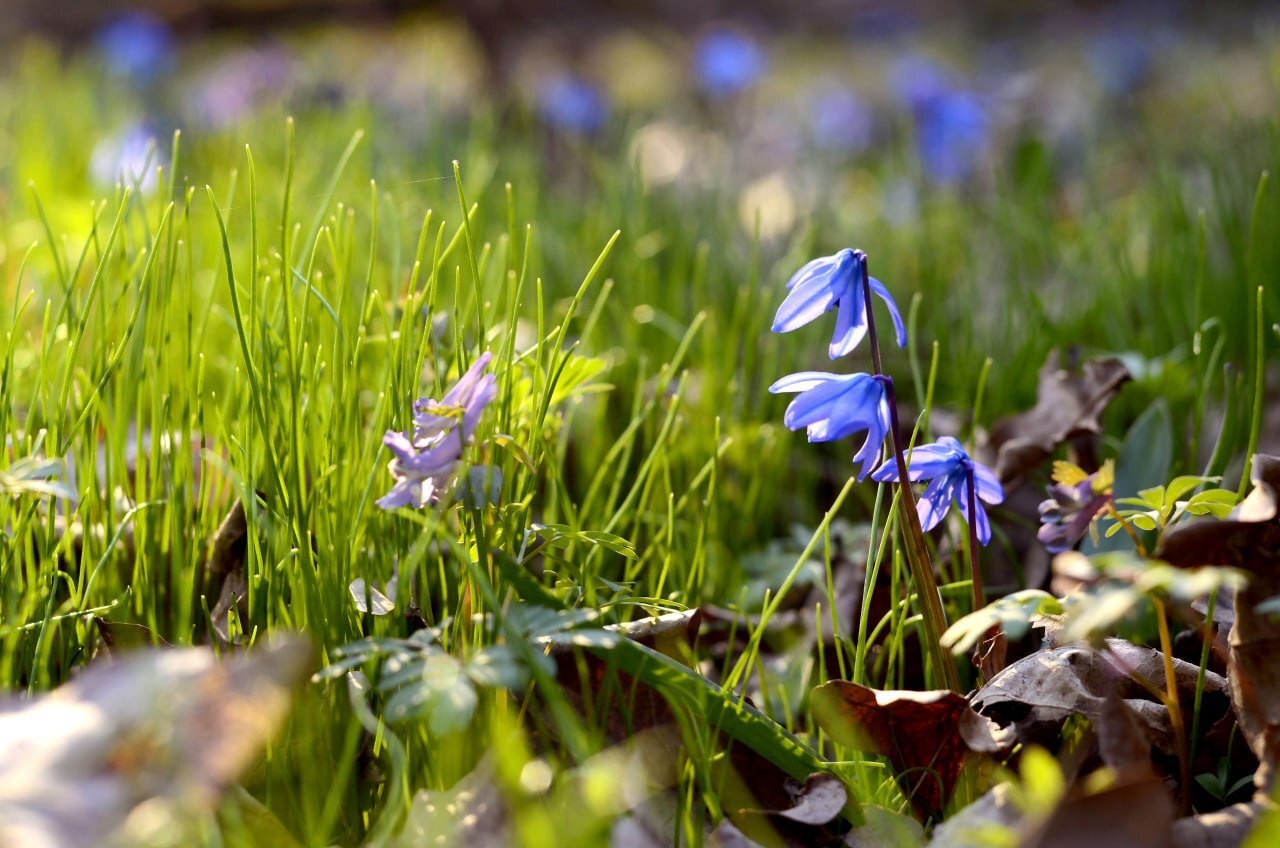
[(952, 135), (833, 406), (726, 62), (836, 282), (572, 104), (951, 474), (136, 45)]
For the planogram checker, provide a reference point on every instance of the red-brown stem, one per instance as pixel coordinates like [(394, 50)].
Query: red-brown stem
[(934, 617)]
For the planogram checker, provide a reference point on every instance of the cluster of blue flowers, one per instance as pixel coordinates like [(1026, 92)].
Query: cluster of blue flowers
[(428, 457), (835, 406)]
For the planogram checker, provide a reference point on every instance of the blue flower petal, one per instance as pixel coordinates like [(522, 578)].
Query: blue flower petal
[(984, 526), (936, 501), (989, 488), (851, 325), (802, 381), (820, 267), (805, 303), (817, 404), (870, 450), (899, 329), (857, 409)]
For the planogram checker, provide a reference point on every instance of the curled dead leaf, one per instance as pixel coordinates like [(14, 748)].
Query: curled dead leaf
[(1069, 402), (924, 735)]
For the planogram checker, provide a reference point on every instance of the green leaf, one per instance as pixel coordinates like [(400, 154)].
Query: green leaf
[(1153, 497), (498, 666), (1094, 615), (1215, 502), (1179, 486), (1012, 614)]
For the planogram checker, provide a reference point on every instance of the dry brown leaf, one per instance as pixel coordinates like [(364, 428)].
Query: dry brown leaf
[(225, 572), (917, 731), (1136, 814), (1249, 540), (1123, 743), (1225, 828), (1068, 404), (175, 726)]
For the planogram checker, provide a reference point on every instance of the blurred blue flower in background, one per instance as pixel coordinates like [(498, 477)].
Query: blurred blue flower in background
[(915, 79), (130, 156), (572, 104), (725, 62), (952, 136), (951, 474), (951, 123), (136, 45), (833, 406), (836, 282), (840, 120)]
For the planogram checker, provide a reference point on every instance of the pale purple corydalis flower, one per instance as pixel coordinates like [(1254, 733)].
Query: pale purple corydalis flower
[(834, 406), (1075, 500), (951, 473), (426, 462), (836, 282)]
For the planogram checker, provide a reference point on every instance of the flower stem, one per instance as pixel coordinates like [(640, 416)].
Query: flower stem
[(1128, 528), (935, 619), (1176, 722), (992, 649)]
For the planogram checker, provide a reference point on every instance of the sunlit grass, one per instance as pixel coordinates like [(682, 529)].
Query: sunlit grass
[(246, 329)]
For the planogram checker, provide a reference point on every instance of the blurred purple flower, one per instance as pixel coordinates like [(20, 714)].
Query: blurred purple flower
[(836, 282), (572, 104), (951, 123), (239, 84), (840, 120), (951, 473), (833, 406), (136, 45), (915, 79), (1074, 501), (424, 466), (951, 136), (130, 156), (725, 62)]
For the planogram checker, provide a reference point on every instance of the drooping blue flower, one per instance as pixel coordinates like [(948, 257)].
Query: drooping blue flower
[(136, 45), (726, 62), (951, 473), (834, 406), (572, 104), (426, 463), (836, 282)]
